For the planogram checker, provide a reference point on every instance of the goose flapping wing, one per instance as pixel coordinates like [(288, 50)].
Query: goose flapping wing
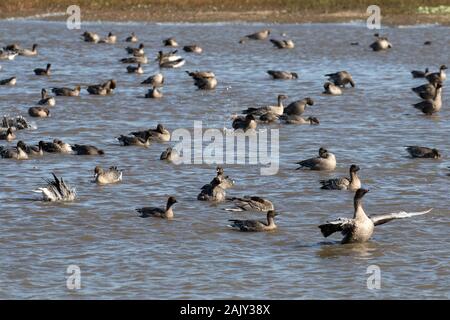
[(383, 218)]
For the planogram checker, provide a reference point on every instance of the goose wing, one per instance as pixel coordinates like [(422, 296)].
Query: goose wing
[(343, 225), (150, 212), (383, 218), (335, 184)]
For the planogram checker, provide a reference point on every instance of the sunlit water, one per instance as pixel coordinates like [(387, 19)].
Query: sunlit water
[(196, 255)]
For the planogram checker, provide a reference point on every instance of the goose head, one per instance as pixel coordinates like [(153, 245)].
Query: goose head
[(436, 153), (313, 120), (354, 168)]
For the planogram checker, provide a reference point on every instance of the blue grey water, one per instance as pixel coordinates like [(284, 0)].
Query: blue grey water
[(196, 256)]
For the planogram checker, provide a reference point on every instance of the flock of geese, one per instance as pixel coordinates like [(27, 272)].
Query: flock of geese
[(357, 229)]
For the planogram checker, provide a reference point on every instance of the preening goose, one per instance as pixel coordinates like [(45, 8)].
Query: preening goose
[(112, 175), (57, 190)]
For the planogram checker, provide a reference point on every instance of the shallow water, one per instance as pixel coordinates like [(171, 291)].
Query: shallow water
[(196, 255)]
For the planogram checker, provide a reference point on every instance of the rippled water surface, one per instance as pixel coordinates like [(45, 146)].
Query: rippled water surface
[(196, 255)]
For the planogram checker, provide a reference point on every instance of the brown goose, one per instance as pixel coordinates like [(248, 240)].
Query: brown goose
[(283, 44), (282, 75), (255, 225), (39, 112), (166, 213), (8, 135), (68, 92), (46, 100), (244, 123), (353, 183), (298, 107), (341, 78), (260, 35), (8, 82), (326, 161), (81, 149), (423, 152)]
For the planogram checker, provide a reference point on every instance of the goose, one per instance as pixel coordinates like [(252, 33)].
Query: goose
[(353, 183), (212, 192), (160, 134), (167, 56), (64, 146), (193, 48), (426, 91), (7, 55), (133, 69), (437, 76), (8, 82), (332, 89), (170, 42), (28, 52), (260, 35), (172, 63), (81, 149), (296, 119), (103, 89), (298, 107), (15, 123), (112, 175), (39, 112), (67, 91), (244, 123), (170, 155), (341, 78), (205, 80), (166, 213), (8, 135), (225, 181), (255, 225), (251, 204), (46, 100), (12, 47), (282, 75), (360, 228), (283, 44), (140, 59), (110, 39), (423, 152), (57, 146), (133, 141), (35, 150), (326, 161), (57, 190), (43, 72), (278, 110), (431, 106), (382, 43), (139, 51), (17, 153), (154, 93), (90, 37), (420, 74), (268, 118), (156, 80), (132, 38)]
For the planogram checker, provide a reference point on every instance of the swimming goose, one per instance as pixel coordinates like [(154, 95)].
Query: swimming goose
[(341, 78), (133, 141), (171, 63), (43, 72), (90, 37), (431, 106), (67, 91), (35, 150), (81, 149), (12, 47), (28, 52), (139, 51), (205, 80), (57, 146), (154, 93), (166, 213), (436, 77), (326, 161), (283, 75), (360, 228), (170, 155), (110, 38), (15, 123), (250, 204), (160, 134), (103, 89), (420, 74), (268, 118), (260, 35), (244, 123), (423, 152), (46, 100), (296, 119), (225, 181), (167, 56), (298, 107), (193, 48), (255, 225), (382, 43), (57, 190), (8, 135), (39, 112), (426, 91), (17, 153), (353, 183), (133, 69), (332, 89), (278, 110), (212, 192), (170, 42), (140, 59), (156, 80), (132, 38), (7, 55), (283, 44), (8, 82), (112, 175)]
